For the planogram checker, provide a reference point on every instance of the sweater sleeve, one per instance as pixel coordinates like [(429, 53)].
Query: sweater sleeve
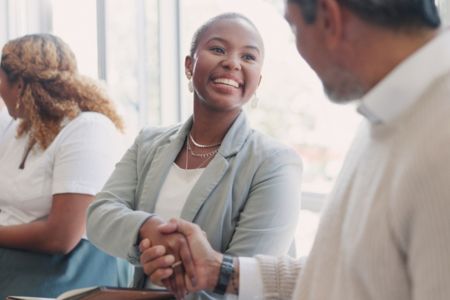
[(280, 275), (421, 215)]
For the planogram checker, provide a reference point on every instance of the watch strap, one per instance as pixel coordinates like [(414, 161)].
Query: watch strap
[(226, 269)]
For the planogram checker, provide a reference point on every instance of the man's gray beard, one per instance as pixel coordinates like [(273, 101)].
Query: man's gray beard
[(348, 88)]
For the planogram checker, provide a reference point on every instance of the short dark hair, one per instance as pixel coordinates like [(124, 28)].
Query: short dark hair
[(395, 14), (202, 29)]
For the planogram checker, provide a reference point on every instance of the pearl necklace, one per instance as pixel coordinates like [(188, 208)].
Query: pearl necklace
[(202, 145)]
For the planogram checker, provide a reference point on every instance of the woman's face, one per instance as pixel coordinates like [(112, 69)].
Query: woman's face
[(226, 66), (9, 92)]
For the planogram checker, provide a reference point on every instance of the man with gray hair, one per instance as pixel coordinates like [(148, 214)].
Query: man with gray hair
[(386, 231)]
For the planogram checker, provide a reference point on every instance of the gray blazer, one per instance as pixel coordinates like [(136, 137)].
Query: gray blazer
[(247, 200)]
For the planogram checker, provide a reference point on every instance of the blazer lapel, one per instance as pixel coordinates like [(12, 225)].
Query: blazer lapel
[(204, 186), (160, 165), (231, 144)]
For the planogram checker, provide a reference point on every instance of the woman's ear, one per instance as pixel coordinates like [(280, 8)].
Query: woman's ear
[(188, 66), (19, 86), (260, 78)]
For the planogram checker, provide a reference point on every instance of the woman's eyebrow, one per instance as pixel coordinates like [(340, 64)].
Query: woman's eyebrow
[(224, 41)]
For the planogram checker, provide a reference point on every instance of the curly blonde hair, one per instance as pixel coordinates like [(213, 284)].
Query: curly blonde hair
[(52, 87)]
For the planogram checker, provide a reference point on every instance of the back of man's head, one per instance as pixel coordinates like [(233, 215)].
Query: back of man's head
[(393, 14)]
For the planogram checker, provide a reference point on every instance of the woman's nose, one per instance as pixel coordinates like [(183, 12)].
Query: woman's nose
[(231, 62)]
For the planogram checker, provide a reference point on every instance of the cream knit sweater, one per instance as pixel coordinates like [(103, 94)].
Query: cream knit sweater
[(386, 232)]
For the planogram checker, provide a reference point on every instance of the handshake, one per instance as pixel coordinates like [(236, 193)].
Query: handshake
[(178, 256)]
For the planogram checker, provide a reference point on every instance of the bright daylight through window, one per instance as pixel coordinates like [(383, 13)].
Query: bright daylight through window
[(141, 45)]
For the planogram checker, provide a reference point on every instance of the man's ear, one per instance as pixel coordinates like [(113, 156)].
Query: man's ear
[(330, 16), (188, 65)]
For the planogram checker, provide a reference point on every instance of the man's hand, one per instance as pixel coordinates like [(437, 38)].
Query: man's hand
[(205, 259)]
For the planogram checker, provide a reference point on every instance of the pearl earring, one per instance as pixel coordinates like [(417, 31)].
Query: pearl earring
[(190, 84)]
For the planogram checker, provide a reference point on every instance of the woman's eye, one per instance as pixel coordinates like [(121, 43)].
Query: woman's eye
[(249, 57), (217, 50)]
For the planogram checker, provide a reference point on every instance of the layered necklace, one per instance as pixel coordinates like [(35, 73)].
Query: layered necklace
[(204, 156)]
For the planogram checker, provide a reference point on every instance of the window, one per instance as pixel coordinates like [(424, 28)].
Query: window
[(137, 47), (132, 60), (444, 8), (117, 41), (75, 21), (19, 17), (292, 106)]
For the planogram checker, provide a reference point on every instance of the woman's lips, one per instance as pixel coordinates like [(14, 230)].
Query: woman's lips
[(227, 81)]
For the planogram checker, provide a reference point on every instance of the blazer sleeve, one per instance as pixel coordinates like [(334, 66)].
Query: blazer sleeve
[(268, 220), (112, 221)]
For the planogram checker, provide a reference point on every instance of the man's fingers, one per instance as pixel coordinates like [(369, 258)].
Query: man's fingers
[(188, 263), (178, 273), (179, 246), (179, 225), (187, 228), (166, 283), (173, 287), (169, 227)]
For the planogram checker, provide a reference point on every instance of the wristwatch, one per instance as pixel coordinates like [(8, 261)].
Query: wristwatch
[(226, 269)]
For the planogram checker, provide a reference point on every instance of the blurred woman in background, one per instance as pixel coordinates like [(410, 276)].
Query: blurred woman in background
[(5, 118), (54, 158)]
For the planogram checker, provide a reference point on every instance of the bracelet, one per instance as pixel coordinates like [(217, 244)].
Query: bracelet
[(226, 269)]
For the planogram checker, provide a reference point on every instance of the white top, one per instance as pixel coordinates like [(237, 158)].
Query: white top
[(79, 160), (385, 233), (175, 190), (173, 195), (5, 121)]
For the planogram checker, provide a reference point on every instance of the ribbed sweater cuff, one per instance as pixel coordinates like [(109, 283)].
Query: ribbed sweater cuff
[(279, 276)]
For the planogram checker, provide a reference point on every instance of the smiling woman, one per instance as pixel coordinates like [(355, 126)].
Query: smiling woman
[(225, 64), (240, 186)]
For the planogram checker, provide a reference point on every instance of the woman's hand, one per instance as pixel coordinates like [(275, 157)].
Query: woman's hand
[(162, 269), (206, 260), (158, 262), (175, 245)]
